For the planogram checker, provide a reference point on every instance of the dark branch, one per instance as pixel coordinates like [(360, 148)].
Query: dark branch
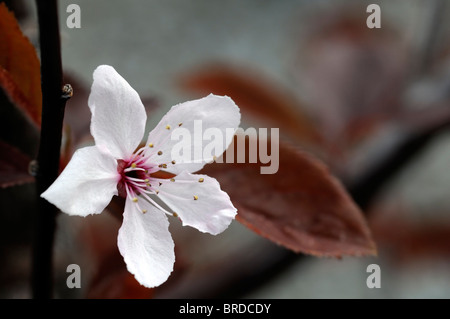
[(53, 104), (369, 184)]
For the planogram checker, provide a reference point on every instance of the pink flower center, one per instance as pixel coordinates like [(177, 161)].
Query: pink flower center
[(136, 180)]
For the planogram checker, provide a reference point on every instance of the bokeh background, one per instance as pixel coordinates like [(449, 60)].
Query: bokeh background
[(365, 91)]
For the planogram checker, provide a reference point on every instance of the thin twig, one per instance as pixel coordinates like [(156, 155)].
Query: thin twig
[(53, 104)]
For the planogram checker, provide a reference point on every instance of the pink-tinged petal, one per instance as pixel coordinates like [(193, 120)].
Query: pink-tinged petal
[(146, 244), (213, 117), (118, 115), (198, 201), (87, 183)]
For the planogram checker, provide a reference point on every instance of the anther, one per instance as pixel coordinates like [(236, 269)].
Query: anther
[(133, 165), (159, 152), (195, 197), (144, 211), (175, 214), (160, 183), (201, 180), (150, 145), (167, 127), (135, 199), (179, 124), (146, 180), (173, 162), (172, 179)]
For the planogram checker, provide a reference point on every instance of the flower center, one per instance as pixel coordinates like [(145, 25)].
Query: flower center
[(136, 180), (134, 177)]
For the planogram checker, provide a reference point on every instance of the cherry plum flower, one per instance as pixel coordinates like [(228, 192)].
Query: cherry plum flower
[(116, 165)]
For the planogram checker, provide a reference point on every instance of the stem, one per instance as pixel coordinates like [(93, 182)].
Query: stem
[(369, 184), (53, 104)]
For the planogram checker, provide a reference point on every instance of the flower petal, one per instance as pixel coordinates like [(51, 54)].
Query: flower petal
[(146, 244), (86, 185), (118, 115), (186, 123), (199, 202)]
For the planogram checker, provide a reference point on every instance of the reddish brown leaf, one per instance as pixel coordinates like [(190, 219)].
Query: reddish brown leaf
[(19, 67), (257, 97), (302, 207), (13, 166)]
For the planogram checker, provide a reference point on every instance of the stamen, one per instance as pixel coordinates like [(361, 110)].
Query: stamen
[(129, 169), (137, 153), (130, 193), (151, 201), (152, 170), (137, 184), (139, 159), (187, 181), (135, 179), (169, 194), (163, 142)]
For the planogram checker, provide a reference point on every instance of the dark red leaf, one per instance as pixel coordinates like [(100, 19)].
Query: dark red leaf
[(20, 75), (302, 207), (13, 166), (256, 96)]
